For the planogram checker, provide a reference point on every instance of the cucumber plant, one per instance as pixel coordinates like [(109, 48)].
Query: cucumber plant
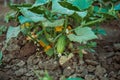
[(54, 24)]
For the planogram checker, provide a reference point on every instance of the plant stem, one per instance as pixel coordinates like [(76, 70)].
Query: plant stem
[(93, 22), (66, 22)]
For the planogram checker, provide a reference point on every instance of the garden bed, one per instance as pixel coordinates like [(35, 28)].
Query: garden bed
[(22, 58)]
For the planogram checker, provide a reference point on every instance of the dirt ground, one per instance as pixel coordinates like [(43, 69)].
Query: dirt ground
[(21, 58)]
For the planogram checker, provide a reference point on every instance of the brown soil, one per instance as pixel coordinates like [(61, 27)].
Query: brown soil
[(21, 59)]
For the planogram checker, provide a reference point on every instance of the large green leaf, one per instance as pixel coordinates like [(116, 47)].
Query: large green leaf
[(81, 4), (12, 32), (57, 8), (117, 7), (40, 2), (68, 5), (100, 10), (82, 35), (82, 14), (53, 24), (74, 78), (32, 16), (23, 19)]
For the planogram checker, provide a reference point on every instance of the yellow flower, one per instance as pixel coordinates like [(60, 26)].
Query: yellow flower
[(42, 43), (32, 35), (25, 25), (47, 48), (58, 28)]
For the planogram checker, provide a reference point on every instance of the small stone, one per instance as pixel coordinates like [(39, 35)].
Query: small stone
[(55, 74), (110, 54), (35, 67), (68, 71), (91, 68), (7, 58), (51, 64), (89, 56), (85, 72), (91, 62), (24, 78), (20, 72), (100, 71), (116, 66), (117, 53), (31, 78), (89, 77), (20, 64), (104, 78), (12, 46), (117, 46), (30, 60), (15, 68), (3, 76), (7, 66), (36, 60), (118, 77), (65, 60), (119, 72), (80, 69), (112, 74), (30, 73), (96, 79)]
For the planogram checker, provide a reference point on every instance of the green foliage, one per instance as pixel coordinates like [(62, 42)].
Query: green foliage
[(48, 77), (82, 35), (34, 17), (12, 32), (81, 4), (117, 7), (77, 78), (55, 23), (46, 20), (40, 2), (2, 29)]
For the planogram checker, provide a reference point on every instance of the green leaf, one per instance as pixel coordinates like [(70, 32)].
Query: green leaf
[(40, 2), (74, 78), (57, 8), (32, 16), (53, 24), (82, 14), (65, 4), (10, 15), (12, 32), (117, 7), (23, 19), (100, 10), (2, 29), (1, 55), (82, 35), (81, 4), (50, 52)]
